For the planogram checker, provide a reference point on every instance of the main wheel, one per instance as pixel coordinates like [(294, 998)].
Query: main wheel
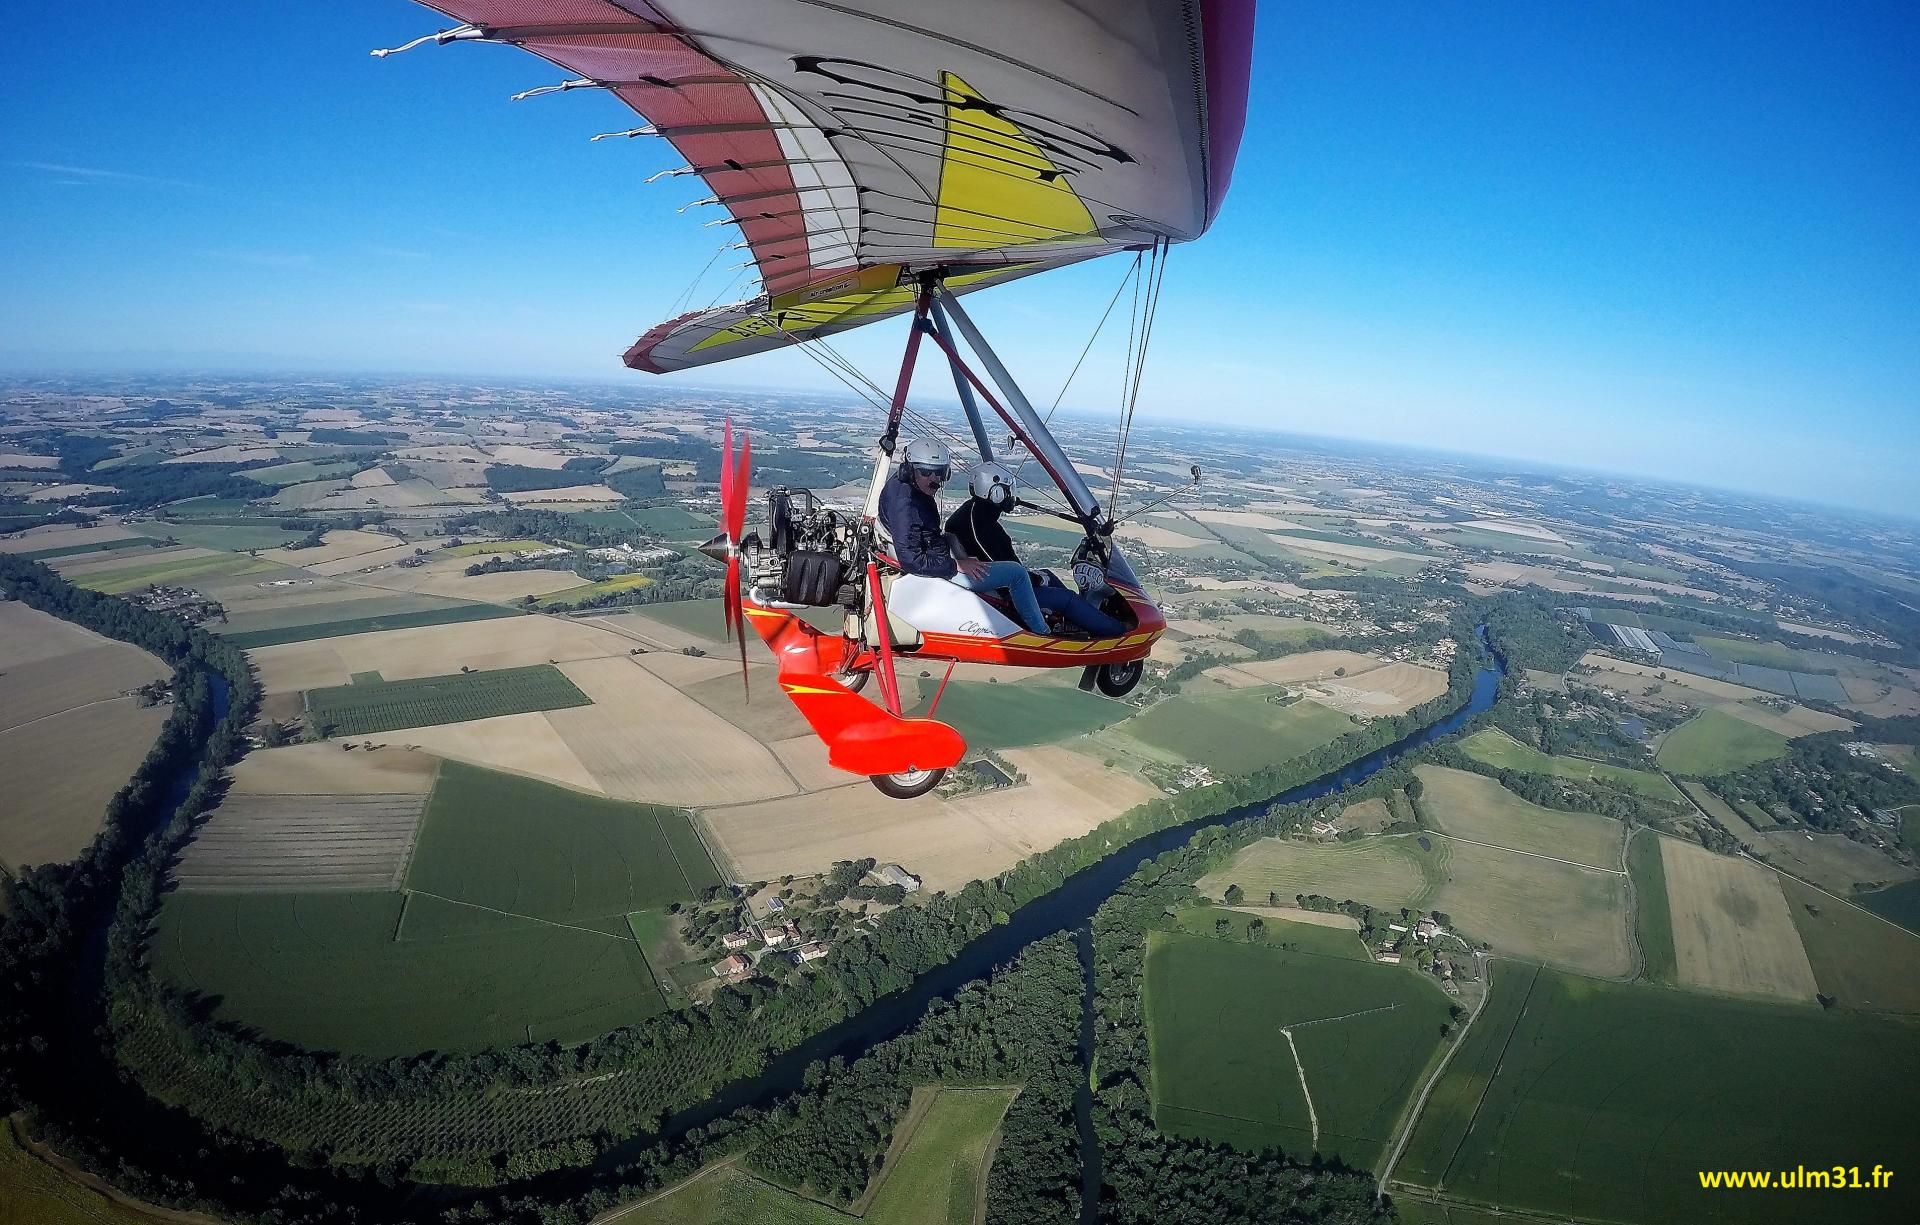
[(852, 682), (1118, 680), (910, 784)]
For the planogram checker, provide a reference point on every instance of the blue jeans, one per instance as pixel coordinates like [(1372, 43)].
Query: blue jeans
[(1010, 576), (1079, 610)]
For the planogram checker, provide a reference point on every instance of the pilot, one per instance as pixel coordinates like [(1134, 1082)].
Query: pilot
[(912, 518), (977, 526)]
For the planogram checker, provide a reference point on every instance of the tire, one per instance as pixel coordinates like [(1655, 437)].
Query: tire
[(910, 785), (852, 682), (1118, 680)]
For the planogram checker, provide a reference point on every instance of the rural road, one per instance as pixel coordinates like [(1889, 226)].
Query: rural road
[(1426, 1091)]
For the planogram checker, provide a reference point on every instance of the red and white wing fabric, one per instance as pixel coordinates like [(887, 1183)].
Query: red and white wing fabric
[(856, 145)]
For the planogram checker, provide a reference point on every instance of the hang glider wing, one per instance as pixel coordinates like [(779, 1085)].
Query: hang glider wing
[(856, 144)]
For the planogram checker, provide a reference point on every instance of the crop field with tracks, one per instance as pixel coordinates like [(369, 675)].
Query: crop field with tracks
[(380, 706), (1859, 959), (1479, 809), (1262, 1047), (1602, 1101), (511, 925), (365, 622)]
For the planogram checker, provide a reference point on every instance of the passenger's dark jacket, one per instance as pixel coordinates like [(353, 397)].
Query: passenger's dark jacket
[(913, 520), (977, 524)]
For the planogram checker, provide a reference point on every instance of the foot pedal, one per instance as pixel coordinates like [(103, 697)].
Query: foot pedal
[(1087, 676)]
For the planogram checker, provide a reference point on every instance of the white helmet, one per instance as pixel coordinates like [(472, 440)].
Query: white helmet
[(926, 455), (992, 483)]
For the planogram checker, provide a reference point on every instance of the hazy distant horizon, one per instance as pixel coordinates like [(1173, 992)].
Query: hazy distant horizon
[(1512, 463)]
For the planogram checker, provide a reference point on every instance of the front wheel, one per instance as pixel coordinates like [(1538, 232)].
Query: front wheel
[(852, 682), (1118, 680), (909, 784)]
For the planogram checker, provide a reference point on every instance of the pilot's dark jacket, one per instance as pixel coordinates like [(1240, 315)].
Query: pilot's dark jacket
[(913, 520)]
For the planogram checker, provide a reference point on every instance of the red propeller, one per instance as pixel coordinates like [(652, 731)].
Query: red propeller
[(734, 475)]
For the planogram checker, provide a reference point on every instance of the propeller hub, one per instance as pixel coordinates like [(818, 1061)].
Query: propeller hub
[(720, 548)]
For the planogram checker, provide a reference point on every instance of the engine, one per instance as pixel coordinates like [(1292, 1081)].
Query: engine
[(810, 552)]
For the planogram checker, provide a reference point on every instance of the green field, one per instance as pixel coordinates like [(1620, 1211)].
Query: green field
[(1604, 1100), (233, 539), (188, 571), (1901, 903), (935, 1180), (1503, 752), (1714, 742), (450, 615), (671, 521), (1652, 914), (512, 927), (609, 586), (98, 546), (995, 716), (361, 708), (1278, 931), (1859, 959), (1236, 732), (282, 475), (1223, 1070)]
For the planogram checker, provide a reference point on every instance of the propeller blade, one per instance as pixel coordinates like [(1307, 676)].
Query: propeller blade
[(737, 619), (736, 510), (726, 483)]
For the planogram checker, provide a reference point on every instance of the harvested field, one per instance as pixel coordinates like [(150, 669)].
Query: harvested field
[(1368, 816), (805, 758), (186, 567), (381, 706), (1233, 732), (945, 842), (373, 559), (515, 744), (1310, 666), (1832, 861), (450, 579), (341, 542), (326, 769), (521, 456), (1706, 686), (1516, 527), (59, 706), (1156, 537), (658, 634), (53, 809), (1353, 554), (303, 842), (63, 536), (644, 740), (1479, 809), (509, 642), (1731, 929), (545, 498), (1550, 681)]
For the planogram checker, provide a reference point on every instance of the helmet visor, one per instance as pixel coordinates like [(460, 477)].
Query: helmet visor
[(939, 472)]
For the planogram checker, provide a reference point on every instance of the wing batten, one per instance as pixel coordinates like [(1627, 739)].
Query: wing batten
[(855, 149)]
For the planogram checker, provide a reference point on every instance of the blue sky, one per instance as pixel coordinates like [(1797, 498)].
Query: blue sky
[(1680, 240)]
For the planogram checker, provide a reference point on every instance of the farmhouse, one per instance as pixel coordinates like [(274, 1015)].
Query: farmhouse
[(1387, 956), (894, 874), (775, 937), (1426, 929), (1323, 829), (732, 967), (737, 940), (810, 952)]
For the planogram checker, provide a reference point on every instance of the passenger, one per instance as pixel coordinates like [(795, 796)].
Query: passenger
[(977, 526), (912, 518)]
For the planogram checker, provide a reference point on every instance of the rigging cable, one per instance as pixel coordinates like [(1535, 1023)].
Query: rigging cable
[(1156, 277)]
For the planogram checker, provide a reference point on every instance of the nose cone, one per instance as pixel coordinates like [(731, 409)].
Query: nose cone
[(719, 548)]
